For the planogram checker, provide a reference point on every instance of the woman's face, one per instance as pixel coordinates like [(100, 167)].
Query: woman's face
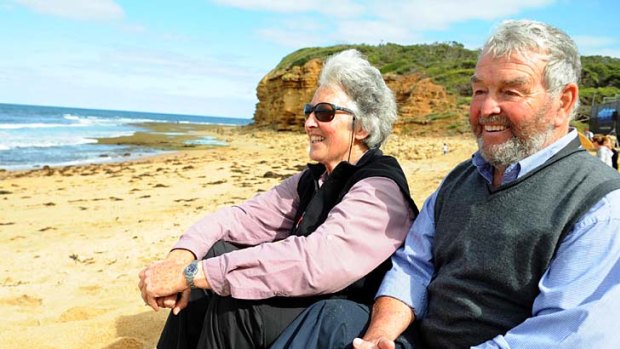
[(330, 141)]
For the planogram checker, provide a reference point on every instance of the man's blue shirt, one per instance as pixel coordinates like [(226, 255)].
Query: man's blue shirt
[(579, 293)]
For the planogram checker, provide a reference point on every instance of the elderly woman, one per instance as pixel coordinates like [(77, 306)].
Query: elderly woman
[(240, 275)]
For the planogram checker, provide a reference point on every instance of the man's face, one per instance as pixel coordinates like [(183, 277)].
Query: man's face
[(511, 113)]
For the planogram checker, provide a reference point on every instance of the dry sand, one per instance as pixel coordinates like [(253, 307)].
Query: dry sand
[(73, 239)]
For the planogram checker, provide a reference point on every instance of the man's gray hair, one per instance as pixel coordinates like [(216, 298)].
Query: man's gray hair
[(523, 36), (375, 106)]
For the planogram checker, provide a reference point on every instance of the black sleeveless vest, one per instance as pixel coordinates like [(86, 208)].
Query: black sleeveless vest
[(492, 245), (316, 203)]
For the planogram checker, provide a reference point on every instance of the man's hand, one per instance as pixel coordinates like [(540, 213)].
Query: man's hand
[(161, 281), (390, 317), (379, 343)]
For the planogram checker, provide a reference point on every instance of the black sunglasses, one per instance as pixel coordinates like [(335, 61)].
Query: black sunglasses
[(324, 112)]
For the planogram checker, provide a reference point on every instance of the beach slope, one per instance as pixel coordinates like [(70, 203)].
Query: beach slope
[(73, 239)]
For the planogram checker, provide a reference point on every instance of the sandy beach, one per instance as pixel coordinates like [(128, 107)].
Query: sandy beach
[(73, 239)]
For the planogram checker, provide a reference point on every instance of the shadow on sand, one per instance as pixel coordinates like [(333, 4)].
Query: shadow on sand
[(139, 331)]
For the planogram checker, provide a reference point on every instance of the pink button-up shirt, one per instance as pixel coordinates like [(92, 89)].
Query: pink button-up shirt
[(360, 232)]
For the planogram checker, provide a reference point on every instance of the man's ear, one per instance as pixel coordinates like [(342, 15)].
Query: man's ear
[(568, 98)]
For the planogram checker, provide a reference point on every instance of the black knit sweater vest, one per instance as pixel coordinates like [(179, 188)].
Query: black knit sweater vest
[(315, 204), (492, 246)]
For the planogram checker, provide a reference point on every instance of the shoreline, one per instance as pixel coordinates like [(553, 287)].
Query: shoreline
[(157, 139), (78, 237), (167, 136)]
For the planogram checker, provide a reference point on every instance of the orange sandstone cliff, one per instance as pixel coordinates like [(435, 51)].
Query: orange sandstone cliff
[(422, 104)]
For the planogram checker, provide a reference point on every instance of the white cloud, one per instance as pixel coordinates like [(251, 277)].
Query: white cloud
[(169, 65), (597, 45), (133, 28), (372, 32), (438, 15), (611, 52), (374, 21), (269, 5), (294, 39), (293, 33), (342, 8), (153, 80), (100, 10), (594, 41), (6, 6)]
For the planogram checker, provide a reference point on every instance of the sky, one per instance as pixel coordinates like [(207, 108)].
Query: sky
[(206, 57)]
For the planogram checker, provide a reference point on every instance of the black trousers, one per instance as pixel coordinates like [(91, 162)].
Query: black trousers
[(215, 322), (332, 324)]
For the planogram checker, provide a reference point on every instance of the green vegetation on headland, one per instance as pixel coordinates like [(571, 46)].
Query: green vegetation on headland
[(451, 65), (600, 78), (166, 136), (448, 64)]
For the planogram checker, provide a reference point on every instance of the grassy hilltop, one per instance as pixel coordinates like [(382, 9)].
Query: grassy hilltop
[(451, 65)]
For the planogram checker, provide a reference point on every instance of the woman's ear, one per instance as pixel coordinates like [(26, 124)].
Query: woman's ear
[(360, 133)]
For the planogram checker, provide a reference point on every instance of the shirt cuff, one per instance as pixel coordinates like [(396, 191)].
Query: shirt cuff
[(411, 292), (214, 274)]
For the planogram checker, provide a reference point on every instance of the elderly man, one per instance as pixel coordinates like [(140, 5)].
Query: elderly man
[(520, 246)]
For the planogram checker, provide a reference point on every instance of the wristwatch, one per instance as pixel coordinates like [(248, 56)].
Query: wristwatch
[(190, 272)]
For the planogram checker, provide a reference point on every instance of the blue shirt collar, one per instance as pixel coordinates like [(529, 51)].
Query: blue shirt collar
[(521, 168)]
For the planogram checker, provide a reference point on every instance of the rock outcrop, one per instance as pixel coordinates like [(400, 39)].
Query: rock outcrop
[(282, 94), (418, 98)]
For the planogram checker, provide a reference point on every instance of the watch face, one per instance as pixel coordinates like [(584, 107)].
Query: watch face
[(191, 269)]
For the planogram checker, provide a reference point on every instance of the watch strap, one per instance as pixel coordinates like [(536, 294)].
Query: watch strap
[(190, 272)]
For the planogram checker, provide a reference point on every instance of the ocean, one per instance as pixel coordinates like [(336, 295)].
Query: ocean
[(35, 136)]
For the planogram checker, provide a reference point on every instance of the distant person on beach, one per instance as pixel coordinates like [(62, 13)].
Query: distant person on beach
[(603, 149), (240, 275), (520, 245), (589, 135), (445, 149)]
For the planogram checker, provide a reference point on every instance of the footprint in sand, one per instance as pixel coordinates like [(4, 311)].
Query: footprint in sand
[(126, 343), (90, 289), (23, 300), (80, 313)]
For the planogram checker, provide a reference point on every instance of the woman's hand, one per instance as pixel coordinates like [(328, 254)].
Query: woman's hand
[(176, 302), (161, 281), (181, 302)]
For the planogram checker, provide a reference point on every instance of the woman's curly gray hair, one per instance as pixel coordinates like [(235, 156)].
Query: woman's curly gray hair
[(374, 103)]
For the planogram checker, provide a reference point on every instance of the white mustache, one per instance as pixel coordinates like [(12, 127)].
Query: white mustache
[(495, 119)]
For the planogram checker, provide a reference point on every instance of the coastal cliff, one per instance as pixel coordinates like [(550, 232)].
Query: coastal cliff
[(431, 83), (283, 92)]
